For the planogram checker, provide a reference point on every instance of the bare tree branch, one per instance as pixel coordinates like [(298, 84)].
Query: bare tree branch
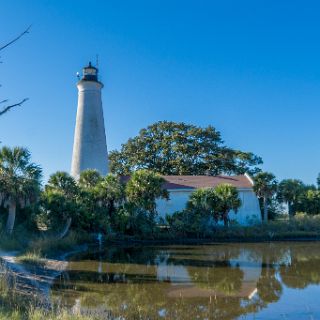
[(15, 39), (6, 109)]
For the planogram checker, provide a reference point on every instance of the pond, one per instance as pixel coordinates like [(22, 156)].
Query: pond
[(213, 281)]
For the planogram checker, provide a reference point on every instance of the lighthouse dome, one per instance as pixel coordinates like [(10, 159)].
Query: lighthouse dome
[(90, 73)]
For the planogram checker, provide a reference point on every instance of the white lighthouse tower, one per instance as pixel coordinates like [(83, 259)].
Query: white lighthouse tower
[(90, 146)]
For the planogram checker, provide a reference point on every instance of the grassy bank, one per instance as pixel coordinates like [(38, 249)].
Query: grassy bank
[(33, 246), (40, 315), (299, 228), (32, 258), (17, 303)]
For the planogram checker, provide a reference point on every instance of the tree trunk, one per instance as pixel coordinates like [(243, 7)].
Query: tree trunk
[(11, 216), (290, 210), (64, 232), (265, 209), (225, 219)]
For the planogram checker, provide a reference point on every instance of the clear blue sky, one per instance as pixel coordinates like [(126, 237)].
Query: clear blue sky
[(249, 68)]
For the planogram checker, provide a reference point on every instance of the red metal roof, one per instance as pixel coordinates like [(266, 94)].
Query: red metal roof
[(197, 182)]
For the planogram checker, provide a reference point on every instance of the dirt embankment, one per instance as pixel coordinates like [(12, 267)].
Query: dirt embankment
[(34, 280)]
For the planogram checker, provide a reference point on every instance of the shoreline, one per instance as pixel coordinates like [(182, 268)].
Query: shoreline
[(36, 277), (34, 280), (200, 241)]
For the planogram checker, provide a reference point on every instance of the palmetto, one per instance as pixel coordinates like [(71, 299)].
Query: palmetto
[(19, 181), (63, 183), (60, 197), (265, 186)]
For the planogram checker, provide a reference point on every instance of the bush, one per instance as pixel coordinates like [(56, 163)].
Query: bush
[(189, 223)]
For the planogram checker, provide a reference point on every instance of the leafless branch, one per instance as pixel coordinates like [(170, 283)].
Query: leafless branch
[(15, 39), (6, 109)]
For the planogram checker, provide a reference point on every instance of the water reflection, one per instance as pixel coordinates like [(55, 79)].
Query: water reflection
[(186, 282)]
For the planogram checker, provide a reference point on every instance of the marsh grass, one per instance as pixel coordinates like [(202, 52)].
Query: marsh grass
[(39, 314), (7, 283), (32, 258), (33, 247), (50, 245), (301, 226), (15, 305)]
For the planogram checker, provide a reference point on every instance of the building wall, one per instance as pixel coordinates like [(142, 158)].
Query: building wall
[(248, 213)]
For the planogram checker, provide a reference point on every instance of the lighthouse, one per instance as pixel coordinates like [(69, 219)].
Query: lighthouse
[(90, 146)]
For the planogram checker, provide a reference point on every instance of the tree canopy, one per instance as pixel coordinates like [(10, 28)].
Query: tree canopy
[(171, 148)]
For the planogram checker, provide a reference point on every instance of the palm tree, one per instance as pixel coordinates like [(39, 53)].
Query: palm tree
[(227, 200), (144, 188), (108, 192), (265, 186), (203, 201), (19, 181), (62, 189), (89, 178), (289, 191), (62, 182), (142, 191)]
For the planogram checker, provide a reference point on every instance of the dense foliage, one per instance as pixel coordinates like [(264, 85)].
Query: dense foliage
[(105, 204), (101, 204), (205, 211), (171, 148), (297, 196)]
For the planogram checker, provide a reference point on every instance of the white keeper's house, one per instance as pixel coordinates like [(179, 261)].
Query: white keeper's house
[(180, 188)]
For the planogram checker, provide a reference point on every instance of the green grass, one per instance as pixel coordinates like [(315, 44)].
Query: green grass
[(301, 227), (38, 314), (32, 258), (17, 306), (50, 245), (34, 247)]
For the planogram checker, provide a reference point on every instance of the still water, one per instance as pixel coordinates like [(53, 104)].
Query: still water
[(214, 281)]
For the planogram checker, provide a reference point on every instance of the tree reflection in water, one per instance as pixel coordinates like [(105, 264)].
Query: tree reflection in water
[(185, 282), (303, 267)]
